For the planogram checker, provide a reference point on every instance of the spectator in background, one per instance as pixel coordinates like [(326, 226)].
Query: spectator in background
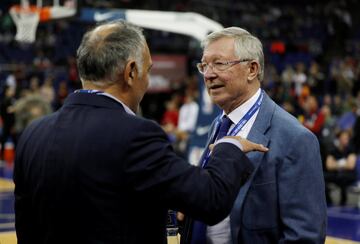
[(314, 118), (10, 80), (7, 109), (61, 94), (299, 78), (316, 79), (47, 90), (329, 131), (34, 85), (346, 77), (340, 166), (73, 77), (287, 76), (28, 108), (170, 118), (347, 120), (338, 106), (188, 114), (328, 101)]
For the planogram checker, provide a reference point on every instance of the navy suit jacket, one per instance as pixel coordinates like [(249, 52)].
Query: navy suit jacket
[(91, 173), (284, 199)]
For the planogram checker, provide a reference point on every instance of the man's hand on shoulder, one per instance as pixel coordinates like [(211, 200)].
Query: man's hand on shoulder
[(247, 146)]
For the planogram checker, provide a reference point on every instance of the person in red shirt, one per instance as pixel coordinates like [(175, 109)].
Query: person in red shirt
[(314, 118)]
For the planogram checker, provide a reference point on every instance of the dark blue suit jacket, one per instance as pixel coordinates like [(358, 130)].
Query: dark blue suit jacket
[(91, 173)]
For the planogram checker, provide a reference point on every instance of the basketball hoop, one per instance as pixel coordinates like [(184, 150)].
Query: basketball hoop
[(27, 17), (26, 20)]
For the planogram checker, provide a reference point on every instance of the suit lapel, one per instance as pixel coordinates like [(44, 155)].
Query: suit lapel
[(257, 134)]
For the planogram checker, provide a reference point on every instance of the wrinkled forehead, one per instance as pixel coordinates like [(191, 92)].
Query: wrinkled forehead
[(219, 49)]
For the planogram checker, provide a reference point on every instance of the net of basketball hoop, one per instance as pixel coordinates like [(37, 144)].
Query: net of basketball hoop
[(26, 21), (27, 17)]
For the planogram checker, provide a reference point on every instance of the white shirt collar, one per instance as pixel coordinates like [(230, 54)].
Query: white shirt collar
[(236, 115), (127, 109)]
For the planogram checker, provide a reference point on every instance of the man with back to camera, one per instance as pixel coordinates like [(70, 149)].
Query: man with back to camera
[(94, 172), (284, 200)]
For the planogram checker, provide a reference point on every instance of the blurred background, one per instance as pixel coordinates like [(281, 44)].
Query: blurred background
[(312, 69)]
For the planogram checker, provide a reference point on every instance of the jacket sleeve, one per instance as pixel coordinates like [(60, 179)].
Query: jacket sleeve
[(206, 194), (301, 186)]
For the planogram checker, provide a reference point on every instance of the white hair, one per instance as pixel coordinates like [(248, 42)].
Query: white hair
[(247, 46)]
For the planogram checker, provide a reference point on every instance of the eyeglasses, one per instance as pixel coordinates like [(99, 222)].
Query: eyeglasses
[(218, 65)]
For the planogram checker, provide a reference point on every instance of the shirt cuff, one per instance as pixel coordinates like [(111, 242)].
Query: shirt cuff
[(230, 140)]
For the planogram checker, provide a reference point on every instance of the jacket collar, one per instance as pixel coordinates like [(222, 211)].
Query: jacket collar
[(92, 100)]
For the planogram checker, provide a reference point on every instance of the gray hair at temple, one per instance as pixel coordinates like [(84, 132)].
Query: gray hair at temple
[(247, 46), (105, 50)]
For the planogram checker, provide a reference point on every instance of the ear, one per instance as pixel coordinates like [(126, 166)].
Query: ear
[(254, 69), (130, 72)]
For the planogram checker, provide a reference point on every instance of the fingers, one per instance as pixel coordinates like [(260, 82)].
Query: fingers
[(261, 148), (211, 147), (249, 146)]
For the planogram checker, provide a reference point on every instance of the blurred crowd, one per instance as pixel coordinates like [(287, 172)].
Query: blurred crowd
[(327, 102)]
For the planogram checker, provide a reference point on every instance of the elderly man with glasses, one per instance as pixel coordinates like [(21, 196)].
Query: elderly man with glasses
[(284, 199)]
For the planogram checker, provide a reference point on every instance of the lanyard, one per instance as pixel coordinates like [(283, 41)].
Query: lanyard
[(237, 127), (88, 91), (247, 116)]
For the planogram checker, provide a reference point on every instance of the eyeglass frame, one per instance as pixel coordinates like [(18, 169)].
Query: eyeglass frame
[(228, 64)]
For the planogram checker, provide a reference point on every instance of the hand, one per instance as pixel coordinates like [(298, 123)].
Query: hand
[(247, 145)]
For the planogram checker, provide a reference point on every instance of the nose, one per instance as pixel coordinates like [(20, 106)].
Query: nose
[(209, 73)]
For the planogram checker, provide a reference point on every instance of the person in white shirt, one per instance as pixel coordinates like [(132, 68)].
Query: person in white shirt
[(188, 114)]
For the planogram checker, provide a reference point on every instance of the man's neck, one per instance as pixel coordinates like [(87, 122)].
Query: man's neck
[(241, 101), (115, 91)]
